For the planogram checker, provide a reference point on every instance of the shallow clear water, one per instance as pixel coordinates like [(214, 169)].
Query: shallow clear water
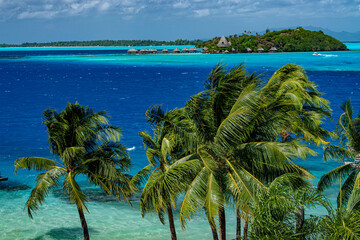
[(124, 85)]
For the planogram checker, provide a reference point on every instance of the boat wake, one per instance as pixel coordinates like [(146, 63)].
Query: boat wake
[(131, 149), (324, 55)]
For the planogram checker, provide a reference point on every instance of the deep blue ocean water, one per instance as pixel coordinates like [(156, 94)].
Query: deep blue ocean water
[(32, 80)]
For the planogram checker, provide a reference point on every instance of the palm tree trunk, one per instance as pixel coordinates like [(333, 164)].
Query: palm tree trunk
[(222, 223), (300, 219), (214, 231), (246, 225), (212, 226), (238, 224), (84, 224), (171, 223)]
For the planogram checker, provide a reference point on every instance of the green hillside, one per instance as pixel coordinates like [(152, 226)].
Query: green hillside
[(288, 40)]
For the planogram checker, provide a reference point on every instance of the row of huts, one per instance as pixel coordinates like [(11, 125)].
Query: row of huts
[(249, 50), (194, 50), (153, 50), (261, 50)]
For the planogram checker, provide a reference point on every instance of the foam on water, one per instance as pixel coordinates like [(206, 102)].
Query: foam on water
[(125, 86)]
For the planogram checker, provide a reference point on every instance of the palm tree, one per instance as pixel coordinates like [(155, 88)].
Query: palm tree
[(289, 102), (82, 143), (276, 214), (348, 131), (169, 171), (166, 180), (239, 127)]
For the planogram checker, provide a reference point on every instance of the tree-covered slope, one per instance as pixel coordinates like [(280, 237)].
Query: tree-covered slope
[(288, 40)]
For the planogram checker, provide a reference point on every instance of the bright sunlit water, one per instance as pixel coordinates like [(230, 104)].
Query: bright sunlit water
[(32, 80)]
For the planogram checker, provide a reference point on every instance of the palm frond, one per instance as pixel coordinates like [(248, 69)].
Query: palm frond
[(34, 163), (45, 181), (334, 175), (72, 188)]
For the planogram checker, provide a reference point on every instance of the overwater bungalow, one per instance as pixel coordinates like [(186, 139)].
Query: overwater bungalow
[(273, 49), (165, 50), (144, 50), (223, 42), (185, 50), (193, 50), (132, 51), (249, 50), (176, 50), (260, 50), (153, 50)]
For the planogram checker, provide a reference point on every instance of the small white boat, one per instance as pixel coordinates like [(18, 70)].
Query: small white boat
[(316, 54), (131, 149)]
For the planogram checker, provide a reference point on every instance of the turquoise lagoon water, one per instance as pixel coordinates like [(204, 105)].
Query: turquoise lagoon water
[(125, 85)]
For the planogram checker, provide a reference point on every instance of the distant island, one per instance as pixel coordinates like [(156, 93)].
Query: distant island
[(288, 40), (106, 43)]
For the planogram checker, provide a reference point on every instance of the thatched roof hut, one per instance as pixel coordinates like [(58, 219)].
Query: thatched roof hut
[(249, 50), (185, 50), (143, 50), (273, 49), (176, 50), (260, 50), (132, 51), (165, 50), (223, 42), (193, 50)]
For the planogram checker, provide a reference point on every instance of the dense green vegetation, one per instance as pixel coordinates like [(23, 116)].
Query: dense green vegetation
[(105, 43), (233, 146), (288, 40)]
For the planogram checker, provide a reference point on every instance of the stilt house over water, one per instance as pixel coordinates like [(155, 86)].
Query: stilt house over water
[(132, 50)]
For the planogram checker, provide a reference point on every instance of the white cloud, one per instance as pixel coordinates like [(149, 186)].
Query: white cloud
[(23, 9), (181, 4), (38, 14), (202, 12), (104, 6)]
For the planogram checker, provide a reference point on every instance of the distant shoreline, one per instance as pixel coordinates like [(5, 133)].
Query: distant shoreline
[(173, 46)]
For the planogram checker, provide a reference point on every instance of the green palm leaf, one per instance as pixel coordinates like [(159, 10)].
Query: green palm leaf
[(44, 183), (34, 163), (334, 175)]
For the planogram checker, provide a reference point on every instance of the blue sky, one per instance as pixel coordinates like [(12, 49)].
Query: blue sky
[(58, 20)]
